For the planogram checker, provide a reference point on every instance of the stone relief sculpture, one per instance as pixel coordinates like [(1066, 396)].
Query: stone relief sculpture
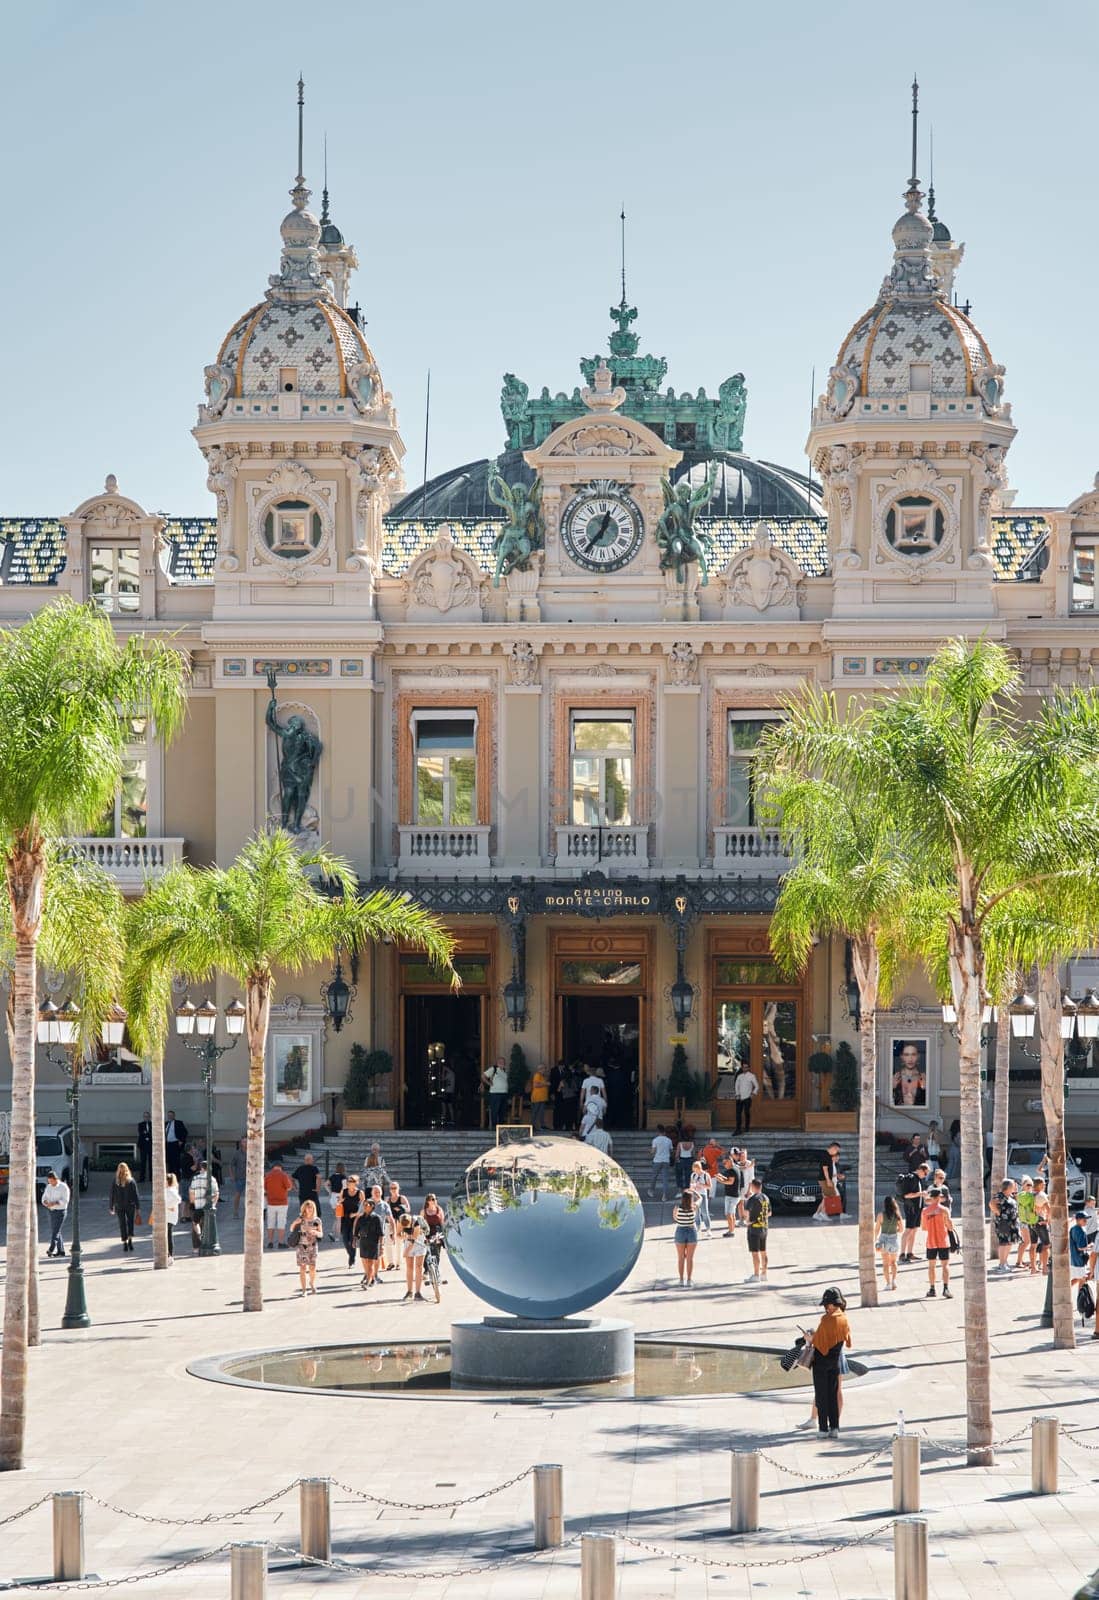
[(843, 386), (760, 576), (523, 533), (221, 466), (988, 382), (522, 663), (601, 394), (682, 663), (219, 383), (298, 756), (364, 385), (679, 542), (443, 578)]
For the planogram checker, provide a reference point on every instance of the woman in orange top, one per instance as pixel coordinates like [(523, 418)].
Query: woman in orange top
[(833, 1333)]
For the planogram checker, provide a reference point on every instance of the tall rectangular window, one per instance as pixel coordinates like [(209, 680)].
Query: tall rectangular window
[(128, 816), (445, 746), (1084, 549), (601, 764), (116, 578), (740, 794)]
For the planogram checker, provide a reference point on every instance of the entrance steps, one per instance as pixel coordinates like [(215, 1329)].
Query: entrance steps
[(423, 1159)]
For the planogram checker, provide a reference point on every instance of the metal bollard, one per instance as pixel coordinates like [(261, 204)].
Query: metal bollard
[(744, 1492), (248, 1571), (316, 1518), (68, 1534), (906, 1472), (1044, 1435), (549, 1507), (910, 1558), (597, 1566)]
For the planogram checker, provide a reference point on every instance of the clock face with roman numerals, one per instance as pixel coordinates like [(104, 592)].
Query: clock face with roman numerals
[(602, 527)]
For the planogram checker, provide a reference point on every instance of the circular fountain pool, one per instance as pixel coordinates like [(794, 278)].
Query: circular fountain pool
[(421, 1370)]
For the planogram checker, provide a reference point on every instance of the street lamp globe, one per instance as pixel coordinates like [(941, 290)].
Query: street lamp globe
[(68, 1022), (1023, 1011), (206, 1019), (113, 1028), (185, 1019), (234, 1019), (48, 1030)]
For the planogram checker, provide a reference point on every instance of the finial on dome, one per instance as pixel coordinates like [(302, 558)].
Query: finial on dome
[(301, 129), (298, 276), (912, 273), (324, 192)]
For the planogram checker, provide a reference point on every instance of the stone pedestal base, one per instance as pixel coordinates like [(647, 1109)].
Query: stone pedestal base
[(496, 1352)]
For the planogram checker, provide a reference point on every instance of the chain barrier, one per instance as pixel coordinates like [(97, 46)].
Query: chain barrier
[(430, 1505), (948, 1447), (825, 1477), (775, 1561), (15, 1515), (1070, 1435), (115, 1583), (192, 1522), (428, 1574)]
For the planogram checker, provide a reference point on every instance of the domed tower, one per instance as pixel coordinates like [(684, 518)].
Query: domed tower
[(910, 441), (299, 436)]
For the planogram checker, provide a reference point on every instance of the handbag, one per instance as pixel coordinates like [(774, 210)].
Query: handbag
[(833, 1205), (339, 1209), (789, 1358), (137, 1219), (806, 1355), (953, 1241)]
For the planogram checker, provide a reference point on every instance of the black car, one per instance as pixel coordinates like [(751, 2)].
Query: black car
[(792, 1179)]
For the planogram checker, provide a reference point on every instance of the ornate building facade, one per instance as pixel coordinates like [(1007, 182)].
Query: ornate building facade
[(532, 688)]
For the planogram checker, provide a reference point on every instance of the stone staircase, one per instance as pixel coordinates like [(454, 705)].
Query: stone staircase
[(423, 1159)]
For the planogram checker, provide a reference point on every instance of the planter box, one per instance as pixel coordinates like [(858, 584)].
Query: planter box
[(699, 1118), (831, 1121), (368, 1121)]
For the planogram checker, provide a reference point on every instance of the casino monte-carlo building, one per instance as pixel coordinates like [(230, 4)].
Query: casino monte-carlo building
[(538, 681)]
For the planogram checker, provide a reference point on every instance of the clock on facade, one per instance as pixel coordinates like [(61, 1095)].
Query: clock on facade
[(602, 527)]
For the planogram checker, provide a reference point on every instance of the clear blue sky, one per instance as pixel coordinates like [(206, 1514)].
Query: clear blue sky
[(478, 157)]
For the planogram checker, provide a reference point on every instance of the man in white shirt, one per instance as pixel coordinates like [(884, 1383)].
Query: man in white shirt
[(598, 1137), (662, 1163), (746, 1167), (495, 1080), (595, 1109), (55, 1200), (745, 1085), (202, 1180)]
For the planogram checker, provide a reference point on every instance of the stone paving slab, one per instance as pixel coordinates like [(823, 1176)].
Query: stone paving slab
[(115, 1412)]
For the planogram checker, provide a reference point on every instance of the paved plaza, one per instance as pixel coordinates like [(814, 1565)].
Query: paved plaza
[(115, 1412)]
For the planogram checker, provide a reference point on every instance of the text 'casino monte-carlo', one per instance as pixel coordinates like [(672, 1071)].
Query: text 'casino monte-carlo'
[(530, 691)]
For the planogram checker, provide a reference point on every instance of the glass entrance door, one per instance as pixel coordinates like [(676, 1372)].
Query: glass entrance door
[(760, 1029)]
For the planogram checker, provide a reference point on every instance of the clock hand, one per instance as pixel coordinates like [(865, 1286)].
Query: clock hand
[(600, 537)]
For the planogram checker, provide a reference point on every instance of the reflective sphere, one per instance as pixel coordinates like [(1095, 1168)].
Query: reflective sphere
[(544, 1227)]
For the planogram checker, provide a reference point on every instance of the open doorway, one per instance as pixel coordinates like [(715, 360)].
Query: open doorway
[(442, 1060), (604, 1030)]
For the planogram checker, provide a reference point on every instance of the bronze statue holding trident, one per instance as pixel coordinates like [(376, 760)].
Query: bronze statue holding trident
[(296, 761)]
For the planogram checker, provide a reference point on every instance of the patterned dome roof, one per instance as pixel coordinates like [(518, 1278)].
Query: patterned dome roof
[(896, 332), (316, 336)]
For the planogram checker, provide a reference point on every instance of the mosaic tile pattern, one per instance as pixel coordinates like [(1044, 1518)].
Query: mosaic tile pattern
[(893, 334), (312, 339), (191, 547), (1017, 543), (33, 551)]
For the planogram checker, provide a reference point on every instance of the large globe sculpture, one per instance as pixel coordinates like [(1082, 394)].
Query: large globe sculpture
[(544, 1227)]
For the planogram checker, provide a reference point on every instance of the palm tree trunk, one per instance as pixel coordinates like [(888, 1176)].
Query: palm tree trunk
[(967, 982), (867, 965), (257, 1002), (157, 1213), (1000, 1104), (34, 1331), (1053, 1109), (25, 872)]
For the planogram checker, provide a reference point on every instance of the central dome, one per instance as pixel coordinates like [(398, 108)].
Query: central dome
[(317, 337)]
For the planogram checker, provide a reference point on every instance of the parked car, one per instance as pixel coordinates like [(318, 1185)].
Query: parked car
[(792, 1179), (1023, 1161), (54, 1153)]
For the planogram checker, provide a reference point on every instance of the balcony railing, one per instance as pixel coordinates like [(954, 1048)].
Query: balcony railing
[(612, 849), (453, 852), (750, 849), (131, 862)]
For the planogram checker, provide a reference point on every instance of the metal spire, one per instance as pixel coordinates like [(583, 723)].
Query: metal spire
[(931, 177), (324, 192), (914, 182), (301, 118), (622, 219)]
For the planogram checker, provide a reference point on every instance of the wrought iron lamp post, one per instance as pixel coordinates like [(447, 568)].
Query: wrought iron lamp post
[(682, 990), (191, 1019), (58, 1030), (337, 995)]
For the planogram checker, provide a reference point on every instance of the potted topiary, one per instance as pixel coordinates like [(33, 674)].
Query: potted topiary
[(820, 1065), (843, 1117), (680, 1093), (363, 1091)]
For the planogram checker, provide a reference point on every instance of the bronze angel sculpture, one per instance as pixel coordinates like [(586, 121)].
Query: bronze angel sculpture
[(677, 538)]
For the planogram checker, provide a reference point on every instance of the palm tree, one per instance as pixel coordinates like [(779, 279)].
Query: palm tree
[(67, 691), (849, 877), (260, 916), (980, 798), (81, 938)]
